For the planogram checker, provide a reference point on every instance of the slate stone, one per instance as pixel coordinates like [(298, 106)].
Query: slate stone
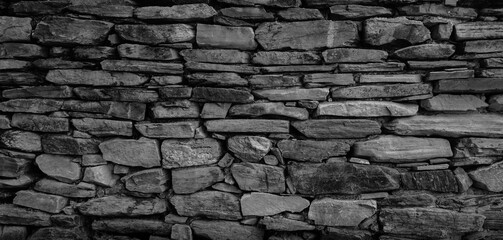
[(453, 103), (215, 36), (145, 52), (381, 91), (65, 30), (488, 178), (268, 109), (300, 14), (58, 63), (156, 34), (313, 151), (491, 73), (125, 110), (39, 92), (334, 212), (122, 206), (365, 109), (21, 50), (4, 122), (22, 182), (283, 224), (209, 94), (249, 148), (93, 52), (175, 109), (18, 78), (13, 232), (358, 11), (94, 78), (181, 231), (131, 226), (215, 110), (147, 181), (437, 181), (272, 3), (37, 8), (142, 66), (116, 94), (15, 29), (293, 94), (21, 140), (440, 10), (103, 127), (247, 13), (111, 11), (131, 152), (13, 167), (382, 31), (180, 13), (216, 230), (440, 64), (259, 177), (344, 233), (274, 80), (101, 175), (39, 123), (175, 92), (265, 204), (298, 68), (31, 105), (179, 129), (492, 62), (426, 51), (215, 55), (213, 67), (247, 126), (464, 180), (212, 204), (449, 125), (314, 80), (40, 201), (191, 180), (81, 190), (285, 58), (394, 78), (319, 178), (483, 46), (216, 79), (307, 35), (62, 168), (470, 85), (478, 147), (354, 55), (63, 144), (337, 128), (372, 67), (194, 152), (478, 30), (11, 214), (166, 80)]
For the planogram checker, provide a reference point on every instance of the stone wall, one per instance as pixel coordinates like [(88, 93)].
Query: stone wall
[(251, 119)]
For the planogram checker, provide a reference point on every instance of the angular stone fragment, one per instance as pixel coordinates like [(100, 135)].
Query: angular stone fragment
[(93, 52), (191, 180), (247, 13), (117, 94), (438, 181), (13, 232), (215, 36), (293, 94), (265, 204), (274, 80), (464, 181), (372, 67), (478, 30), (21, 50), (63, 144), (426, 51), (62, 168), (333, 212), (31, 105), (365, 109), (13, 167), (488, 178), (39, 123), (64, 30), (103, 127), (358, 11), (478, 147), (215, 110), (212, 204), (216, 230), (145, 52), (181, 13), (285, 58), (11, 214), (300, 14), (40, 201), (111, 11), (217, 79), (81, 190), (342, 178), (382, 91), (94, 78), (39, 92), (328, 79), (100, 175), (261, 109), (248, 126), (175, 109), (354, 55), (18, 78), (483, 46), (207, 94), (259, 177), (307, 35), (453, 103), (313, 151), (449, 125), (141, 66), (147, 181), (15, 29), (130, 152), (440, 10), (182, 129), (125, 110), (381, 31), (132, 226), (429, 222), (395, 78), (156, 34), (440, 64), (471, 85), (214, 67), (337, 128), (249, 148), (194, 152), (21, 140), (117, 206), (215, 55)]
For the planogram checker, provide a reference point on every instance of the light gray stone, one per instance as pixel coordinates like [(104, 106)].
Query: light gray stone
[(344, 213), (453, 103), (354, 55), (216, 230), (248, 126), (119, 206), (40, 201), (259, 177), (194, 152), (265, 204), (426, 51), (145, 52), (313, 151), (147, 181), (267, 109), (103, 127), (366, 109), (488, 178), (130, 152), (212, 204), (94, 78), (293, 94), (180, 129), (337, 128), (216, 56), (80, 190), (15, 29), (215, 36), (191, 180), (181, 13), (64, 30), (249, 148), (21, 140), (63, 168), (100, 175), (39, 123)]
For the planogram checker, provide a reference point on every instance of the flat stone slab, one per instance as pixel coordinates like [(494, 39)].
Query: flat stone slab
[(130, 152), (470, 85), (121, 206), (285, 58), (156, 34), (141, 66), (94, 77), (268, 109), (31, 105), (293, 94), (337, 128), (81, 190), (354, 55), (259, 177), (210, 94), (179, 129), (191, 180), (40, 201), (21, 140), (39, 123), (181, 13), (216, 36), (382, 91), (381, 31), (216, 56), (478, 147), (478, 30), (216, 230), (64, 30), (132, 226), (453, 103), (440, 10), (437, 181), (426, 51), (313, 151), (63, 168), (366, 109), (265, 204), (15, 29), (391, 78), (249, 148), (145, 52), (11, 214), (248, 126), (212, 204), (354, 11), (103, 127), (194, 152), (347, 213)]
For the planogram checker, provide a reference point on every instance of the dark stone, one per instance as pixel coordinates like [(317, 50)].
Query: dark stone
[(438, 181)]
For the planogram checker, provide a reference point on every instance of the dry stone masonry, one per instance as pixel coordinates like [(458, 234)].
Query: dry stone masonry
[(251, 119)]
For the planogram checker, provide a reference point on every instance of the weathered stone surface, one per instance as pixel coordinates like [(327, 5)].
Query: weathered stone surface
[(478, 147), (63, 144), (125, 110), (395, 78), (64, 30), (131, 226), (491, 73), (440, 64), (440, 10), (39, 92), (118, 206), (248, 125), (94, 78), (478, 30), (247, 13), (429, 222), (408, 200), (493, 62), (464, 181), (342, 178), (216, 230), (13, 232), (273, 3), (31, 105), (438, 181), (259, 177), (283, 224), (215, 55), (4, 122), (216, 36), (21, 50), (267, 109), (22, 182), (215, 110), (11, 64), (103, 127), (11, 167), (365, 109), (175, 92), (265, 204), (191, 180), (300, 14), (180, 129), (100, 175), (395, 149), (293, 94), (141, 66), (175, 109), (81, 190), (11, 214), (470, 85), (145, 52), (18, 78), (381, 31), (372, 67), (39, 123), (212, 204), (249, 148), (307, 35), (337, 128), (313, 151), (449, 125), (181, 232), (488, 178), (208, 94), (112, 11), (156, 34), (328, 79), (93, 52), (483, 46), (382, 91), (274, 80), (182, 13), (131, 152), (453, 103), (147, 181), (333, 212), (37, 8), (298, 68), (58, 63), (217, 79), (426, 51), (21, 140), (285, 58), (194, 152), (358, 11), (214, 67), (354, 55), (62, 168), (15, 29), (40, 201), (117, 94)]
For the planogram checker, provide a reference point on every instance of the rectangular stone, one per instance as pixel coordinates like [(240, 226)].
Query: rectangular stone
[(213, 204), (259, 177), (493, 63), (81, 190), (126, 110), (145, 52), (298, 68), (65, 30), (11, 214), (248, 126), (483, 46), (356, 12), (141, 66), (216, 56), (13, 167), (328, 79), (131, 226), (470, 85), (117, 94), (156, 34), (18, 78), (451, 74), (229, 95), (175, 109), (395, 78), (15, 29), (341, 213), (440, 10), (31, 105), (478, 147), (365, 109), (94, 78), (40, 123), (491, 73), (213, 67), (293, 94), (441, 64), (431, 167), (285, 58), (130, 152), (381, 91), (216, 36), (178, 153), (191, 180), (103, 127), (177, 13), (22, 50), (453, 103), (68, 145), (354, 55), (39, 92), (273, 81), (437, 181), (181, 129), (40, 201), (337, 128), (372, 67), (313, 151), (478, 30)]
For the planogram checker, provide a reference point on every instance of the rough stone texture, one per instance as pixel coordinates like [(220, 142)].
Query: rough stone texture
[(207, 94), (182, 13), (382, 91), (337, 128), (63, 30), (21, 140), (13, 215), (132, 226), (62, 168), (191, 180), (266, 109), (381, 31), (438, 181), (142, 66), (300, 14), (259, 177), (313, 151), (101, 175), (359, 12), (94, 78), (366, 109), (215, 55), (332, 212), (40, 201), (15, 29), (156, 34), (186, 153), (129, 152), (285, 58), (81, 190), (145, 52), (293, 94), (439, 10), (354, 55), (488, 178), (264, 204), (103, 127), (249, 148), (478, 30), (213, 204), (425, 52), (118, 206), (39, 123), (216, 230), (471, 85), (31, 105), (185, 129), (216, 36), (147, 181), (248, 126), (453, 103)]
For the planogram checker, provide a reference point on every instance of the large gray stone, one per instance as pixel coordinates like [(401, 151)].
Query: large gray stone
[(194, 152), (215, 55), (341, 213), (39, 92), (478, 30), (313, 151), (64, 30), (488, 178), (145, 52), (483, 46), (437, 181), (273, 81), (440, 10), (293, 94), (285, 58), (179, 129), (337, 128), (11, 214), (478, 147), (366, 109), (300, 14), (191, 180), (125, 110), (265, 204), (21, 50), (208, 94), (470, 85), (217, 230), (147, 181), (39, 123), (40, 201), (382, 91), (382, 31), (63, 168), (94, 78), (142, 66), (248, 126), (156, 34), (130, 152), (259, 177), (15, 29), (268, 109), (249, 148), (181, 13), (21, 140), (101, 175), (453, 103), (216, 79), (63, 144), (118, 206), (354, 55), (353, 11), (175, 109), (103, 127), (247, 13), (426, 51), (81, 190), (215, 36), (120, 94), (212, 204), (31, 105), (11, 167), (111, 11)]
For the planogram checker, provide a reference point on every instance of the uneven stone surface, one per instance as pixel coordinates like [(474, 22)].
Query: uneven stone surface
[(249, 148), (478, 30), (185, 153), (145, 52), (438, 181), (381, 91), (39, 123), (359, 12), (439, 10), (313, 151), (156, 34), (266, 109), (247, 126), (425, 52), (147, 181), (337, 128), (300, 14), (488, 178), (381, 31), (365, 109), (40, 201), (185, 129), (13, 215), (478, 147), (94, 78), (101, 175), (118, 206), (353, 55), (103, 127), (453, 103), (186, 12), (62, 168), (213, 204), (332, 212), (191, 180), (132, 226), (63, 30), (215, 55), (470, 85), (202, 94), (175, 109), (264, 204), (215, 230), (293, 94), (279, 223), (129, 152), (15, 29), (13, 167), (215, 36), (31, 105), (259, 177), (81, 190), (141, 66), (21, 140), (285, 58)]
